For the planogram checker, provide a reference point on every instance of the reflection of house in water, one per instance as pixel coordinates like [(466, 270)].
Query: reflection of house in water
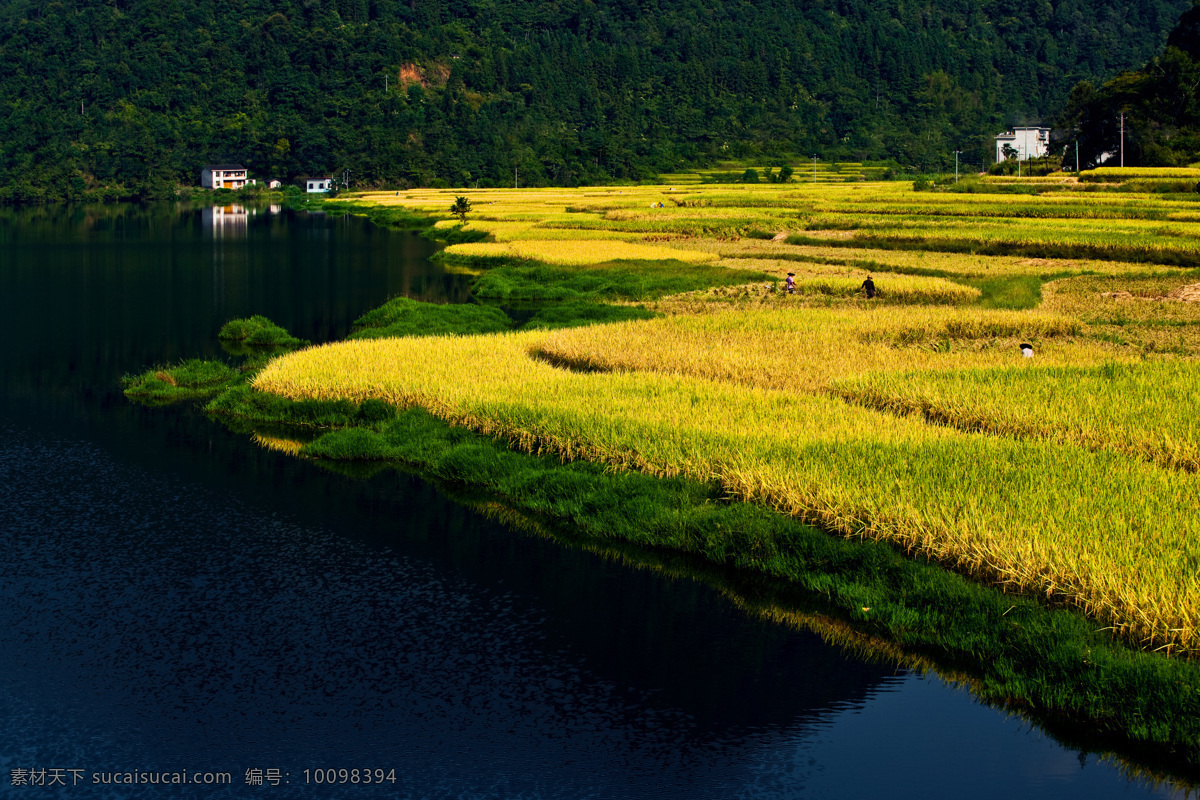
[(227, 221)]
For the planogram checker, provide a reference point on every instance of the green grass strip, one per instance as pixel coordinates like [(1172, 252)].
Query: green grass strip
[(401, 316), (1056, 250), (517, 280)]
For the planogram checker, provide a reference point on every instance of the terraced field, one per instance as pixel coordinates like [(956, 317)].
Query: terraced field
[(911, 417)]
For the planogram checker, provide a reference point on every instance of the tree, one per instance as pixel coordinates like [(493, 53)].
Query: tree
[(460, 208), (1186, 36), (1151, 114), (127, 94)]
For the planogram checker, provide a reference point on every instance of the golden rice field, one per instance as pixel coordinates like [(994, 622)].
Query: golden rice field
[(806, 349), (1112, 224), (1122, 173), (1146, 410), (841, 282), (921, 262), (577, 251), (1149, 238), (517, 230), (1154, 315), (1070, 475)]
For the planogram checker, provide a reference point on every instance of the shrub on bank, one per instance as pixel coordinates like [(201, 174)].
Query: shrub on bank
[(258, 331), (187, 380)]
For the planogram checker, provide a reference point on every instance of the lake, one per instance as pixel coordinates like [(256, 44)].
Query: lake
[(179, 604)]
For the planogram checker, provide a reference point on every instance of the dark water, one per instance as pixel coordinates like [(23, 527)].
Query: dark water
[(175, 598)]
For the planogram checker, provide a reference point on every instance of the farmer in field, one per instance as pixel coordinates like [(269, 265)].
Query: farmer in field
[(791, 283), (868, 287)]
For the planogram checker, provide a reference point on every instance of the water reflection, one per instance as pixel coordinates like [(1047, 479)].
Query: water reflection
[(250, 608), (388, 627), (94, 293), (228, 222)]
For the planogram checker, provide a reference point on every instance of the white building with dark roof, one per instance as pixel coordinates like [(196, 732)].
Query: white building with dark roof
[(223, 176), (317, 184), (1028, 142)]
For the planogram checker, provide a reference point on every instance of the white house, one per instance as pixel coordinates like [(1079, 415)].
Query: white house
[(318, 185), (274, 183), (1028, 142), (223, 176)]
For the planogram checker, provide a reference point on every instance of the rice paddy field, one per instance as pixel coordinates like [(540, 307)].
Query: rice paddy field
[(912, 417)]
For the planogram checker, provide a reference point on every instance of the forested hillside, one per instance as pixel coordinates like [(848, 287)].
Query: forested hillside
[(1160, 104), (139, 95)]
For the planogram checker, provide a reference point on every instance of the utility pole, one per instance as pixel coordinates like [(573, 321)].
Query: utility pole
[(385, 77), (814, 168), (1122, 139), (1077, 157), (956, 153), (514, 177)]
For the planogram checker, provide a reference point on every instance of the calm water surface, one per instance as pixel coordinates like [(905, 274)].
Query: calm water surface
[(175, 598)]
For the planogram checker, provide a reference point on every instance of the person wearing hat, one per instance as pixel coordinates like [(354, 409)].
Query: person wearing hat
[(868, 286), (791, 283)]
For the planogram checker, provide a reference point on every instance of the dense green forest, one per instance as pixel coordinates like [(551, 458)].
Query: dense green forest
[(1160, 104), (134, 97)]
